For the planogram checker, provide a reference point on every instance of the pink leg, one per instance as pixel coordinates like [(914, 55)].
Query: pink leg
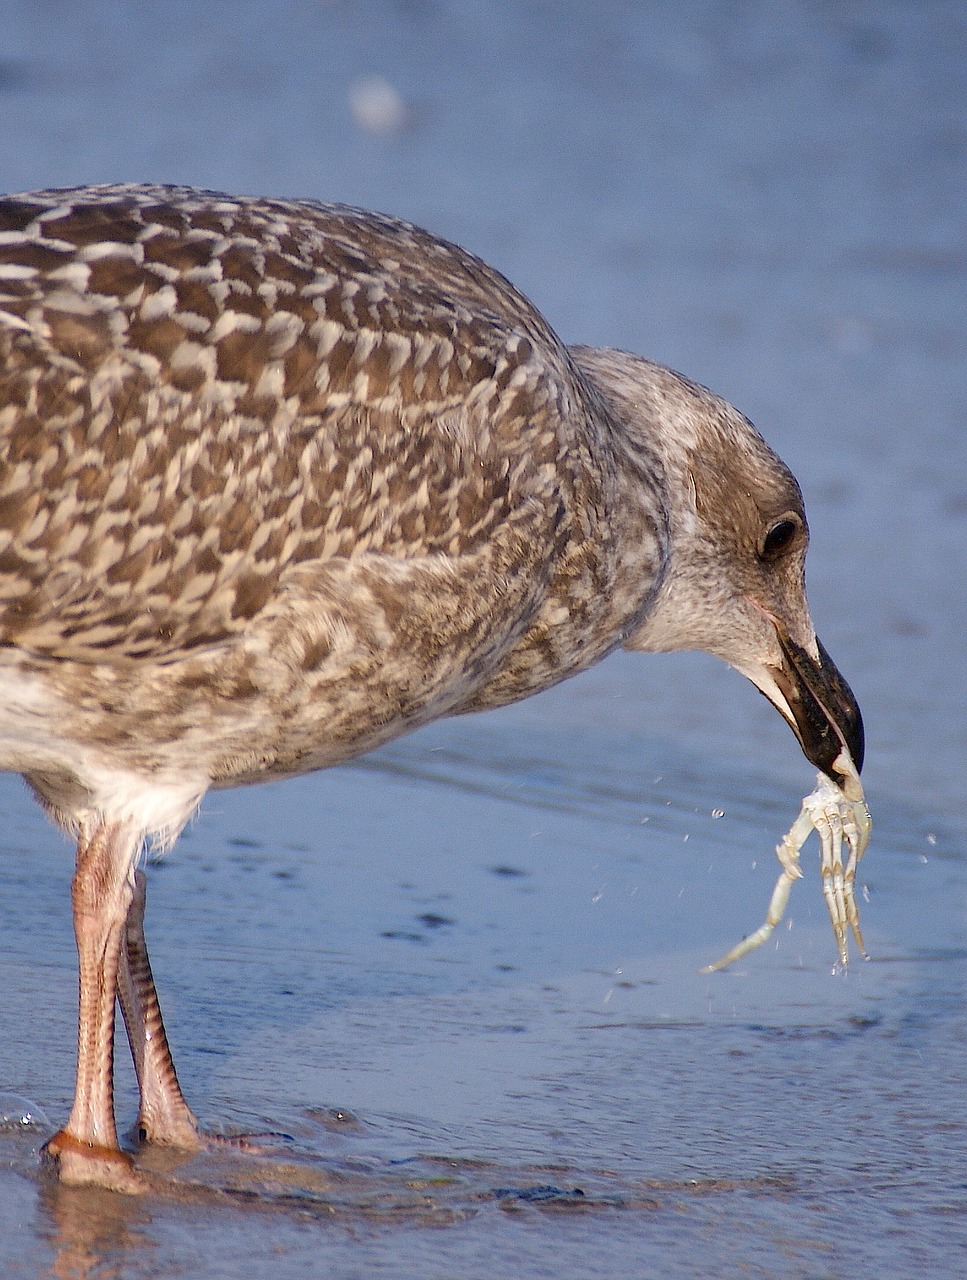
[(86, 1150), (164, 1115)]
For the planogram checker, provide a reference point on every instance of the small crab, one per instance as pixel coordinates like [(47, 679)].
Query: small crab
[(837, 814)]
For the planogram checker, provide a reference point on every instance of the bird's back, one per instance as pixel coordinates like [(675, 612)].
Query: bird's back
[(198, 392), (281, 472)]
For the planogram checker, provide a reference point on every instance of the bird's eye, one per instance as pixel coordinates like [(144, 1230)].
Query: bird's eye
[(780, 538)]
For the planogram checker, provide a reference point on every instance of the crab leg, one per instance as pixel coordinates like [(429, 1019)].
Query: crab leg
[(787, 851), (830, 833), (857, 831), (835, 817)]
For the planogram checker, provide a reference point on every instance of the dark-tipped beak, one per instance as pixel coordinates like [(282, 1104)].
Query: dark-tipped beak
[(825, 715)]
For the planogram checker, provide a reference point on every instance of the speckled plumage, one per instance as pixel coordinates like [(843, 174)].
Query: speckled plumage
[(280, 481)]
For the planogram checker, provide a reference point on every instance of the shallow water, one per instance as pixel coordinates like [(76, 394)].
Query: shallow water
[(455, 987), (485, 1036)]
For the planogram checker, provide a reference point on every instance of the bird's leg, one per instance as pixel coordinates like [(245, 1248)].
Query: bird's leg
[(86, 1150), (164, 1116)]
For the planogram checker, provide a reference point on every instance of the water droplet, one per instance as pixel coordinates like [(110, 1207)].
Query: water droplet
[(18, 1113)]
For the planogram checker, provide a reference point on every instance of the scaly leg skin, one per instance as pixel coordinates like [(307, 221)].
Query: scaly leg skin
[(86, 1151), (164, 1116), (835, 814)]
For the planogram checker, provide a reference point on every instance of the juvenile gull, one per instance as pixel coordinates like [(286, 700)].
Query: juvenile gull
[(280, 481)]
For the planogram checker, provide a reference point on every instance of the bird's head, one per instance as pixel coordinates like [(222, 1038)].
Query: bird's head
[(733, 581)]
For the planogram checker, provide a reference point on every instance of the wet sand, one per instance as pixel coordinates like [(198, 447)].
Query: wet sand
[(492, 1021), (454, 989)]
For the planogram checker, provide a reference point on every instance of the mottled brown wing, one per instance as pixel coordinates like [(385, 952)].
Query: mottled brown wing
[(199, 396)]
